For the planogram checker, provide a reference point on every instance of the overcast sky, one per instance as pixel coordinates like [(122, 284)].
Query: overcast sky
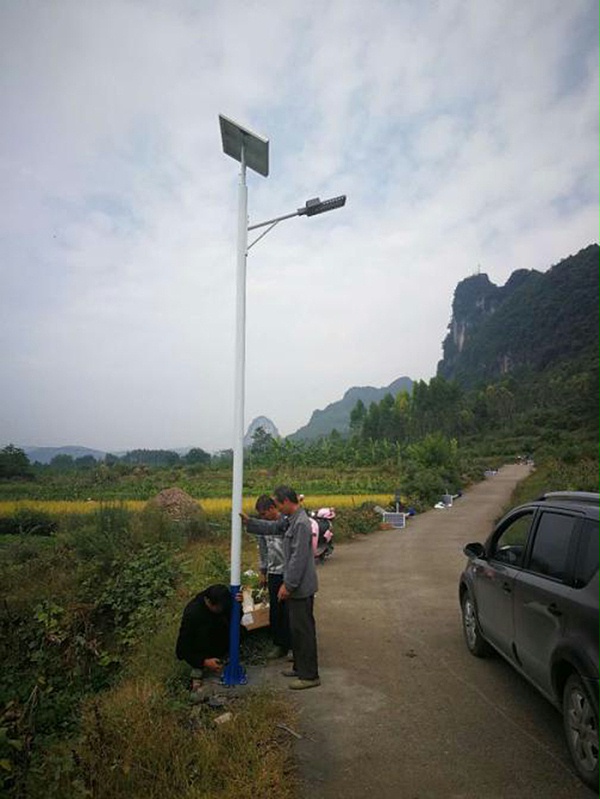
[(464, 132)]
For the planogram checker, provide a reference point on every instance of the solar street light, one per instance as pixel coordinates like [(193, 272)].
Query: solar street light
[(252, 152)]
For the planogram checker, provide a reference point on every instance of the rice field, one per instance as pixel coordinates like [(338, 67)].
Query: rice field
[(211, 505)]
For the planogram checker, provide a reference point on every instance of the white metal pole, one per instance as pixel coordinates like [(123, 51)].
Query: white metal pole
[(234, 673), (240, 367)]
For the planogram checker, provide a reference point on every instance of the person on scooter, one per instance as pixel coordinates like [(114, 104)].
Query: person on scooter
[(271, 556)]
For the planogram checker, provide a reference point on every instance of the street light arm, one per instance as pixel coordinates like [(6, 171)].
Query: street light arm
[(264, 233), (273, 221), (311, 208)]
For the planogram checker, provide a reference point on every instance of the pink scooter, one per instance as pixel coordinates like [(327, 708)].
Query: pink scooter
[(322, 540)]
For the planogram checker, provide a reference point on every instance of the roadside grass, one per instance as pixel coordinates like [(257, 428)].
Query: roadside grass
[(142, 737), (130, 730), (556, 475), (138, 741), (552, 474)]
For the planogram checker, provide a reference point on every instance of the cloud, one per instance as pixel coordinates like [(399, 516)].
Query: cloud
[(463, 134)]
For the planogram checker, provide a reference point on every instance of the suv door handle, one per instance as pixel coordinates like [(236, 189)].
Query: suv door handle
[(506, 588), (553, 609)]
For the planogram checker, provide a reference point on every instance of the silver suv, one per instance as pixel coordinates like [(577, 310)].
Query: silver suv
[(531, 593)]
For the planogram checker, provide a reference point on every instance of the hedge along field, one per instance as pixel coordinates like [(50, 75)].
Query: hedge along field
[(211, 505), (21, 519)]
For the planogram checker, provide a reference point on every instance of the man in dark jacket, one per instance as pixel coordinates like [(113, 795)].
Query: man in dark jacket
[(299, 582), (203, 640)]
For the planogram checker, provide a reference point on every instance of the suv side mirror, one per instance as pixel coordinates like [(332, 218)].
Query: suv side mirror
[(474, 551)]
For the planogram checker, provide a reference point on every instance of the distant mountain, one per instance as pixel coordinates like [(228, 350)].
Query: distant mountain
[(336, 416), (531, 324), (45, 454), (261, 421)]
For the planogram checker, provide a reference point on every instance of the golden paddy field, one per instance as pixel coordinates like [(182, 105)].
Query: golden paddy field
[(213, 505)]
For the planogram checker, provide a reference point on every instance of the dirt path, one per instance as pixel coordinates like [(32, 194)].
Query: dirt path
[(404, 711)]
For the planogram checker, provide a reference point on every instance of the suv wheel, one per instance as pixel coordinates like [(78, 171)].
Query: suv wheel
[(476, 643), (581, 728)]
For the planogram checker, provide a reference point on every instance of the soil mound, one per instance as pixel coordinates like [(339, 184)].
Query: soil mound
[(181, 509)]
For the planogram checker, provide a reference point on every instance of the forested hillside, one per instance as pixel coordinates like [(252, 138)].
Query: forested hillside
[(520, 368), (527, 326), (336, 416)]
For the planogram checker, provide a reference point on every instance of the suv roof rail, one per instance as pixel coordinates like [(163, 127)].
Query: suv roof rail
[(585, 497)]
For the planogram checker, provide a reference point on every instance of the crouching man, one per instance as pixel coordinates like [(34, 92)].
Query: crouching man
[(203, 641)]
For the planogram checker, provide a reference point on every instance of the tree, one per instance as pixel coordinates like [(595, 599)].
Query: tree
[(151, 457), (197, 457), (14, 463), (386, 418), (402, 406), (357, 417), (86, 462), (63, 463), (370, 428), (261, 442)]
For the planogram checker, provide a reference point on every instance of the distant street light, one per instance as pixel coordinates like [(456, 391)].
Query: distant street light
[(252, 151)]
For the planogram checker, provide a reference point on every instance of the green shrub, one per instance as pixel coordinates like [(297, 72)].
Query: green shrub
[(107, 534), (425, 486), (26, 521), (138, 586), (219, 525), (154, 525), (350, 521), (215, 568), (64, 625)]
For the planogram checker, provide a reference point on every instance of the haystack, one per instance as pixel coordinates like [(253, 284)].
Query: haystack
[(180, 508)]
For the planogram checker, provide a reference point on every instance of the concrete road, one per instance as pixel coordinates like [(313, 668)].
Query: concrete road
[(404, 711)]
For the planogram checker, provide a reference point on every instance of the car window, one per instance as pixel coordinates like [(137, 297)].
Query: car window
[(509, 545), (587, 557), (551, 544)]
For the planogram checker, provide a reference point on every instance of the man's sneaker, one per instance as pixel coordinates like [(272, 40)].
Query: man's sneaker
[(300, 685), (289, 673), (276, 652)]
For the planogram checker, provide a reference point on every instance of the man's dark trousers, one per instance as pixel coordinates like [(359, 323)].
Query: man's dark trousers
[(304, 637), (278, 614)]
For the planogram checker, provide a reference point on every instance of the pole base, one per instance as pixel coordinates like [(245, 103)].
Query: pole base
[(234, 674)]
